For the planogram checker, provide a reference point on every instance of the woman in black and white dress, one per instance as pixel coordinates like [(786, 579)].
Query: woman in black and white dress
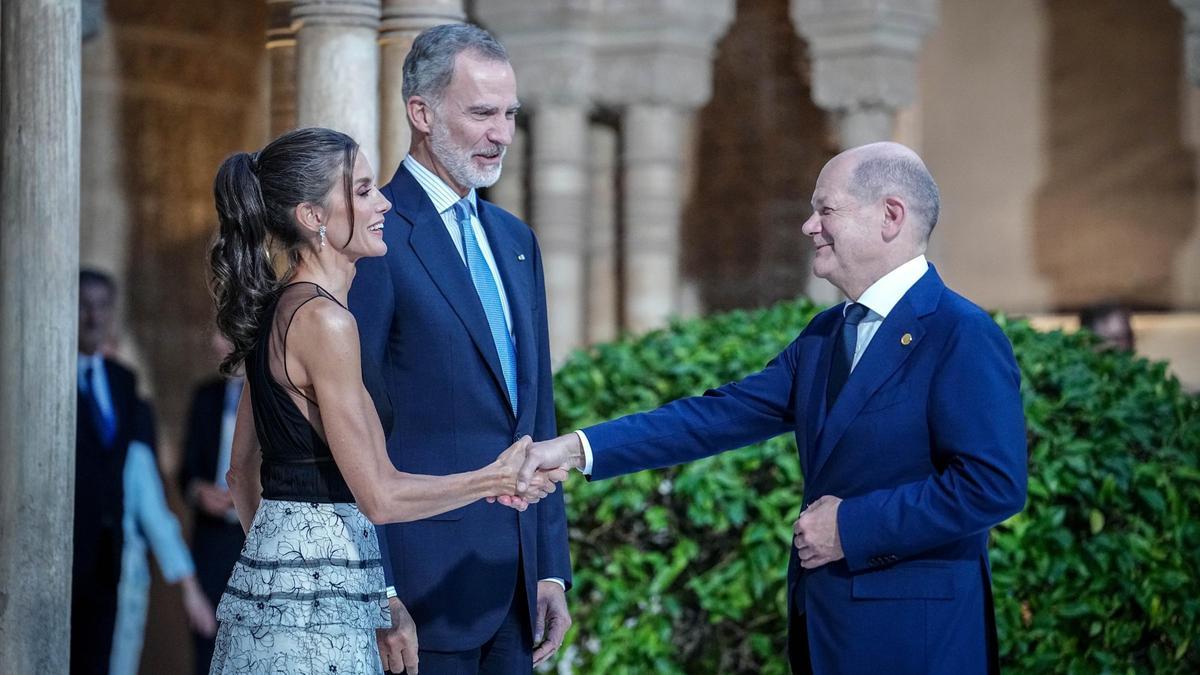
[(307, 594)]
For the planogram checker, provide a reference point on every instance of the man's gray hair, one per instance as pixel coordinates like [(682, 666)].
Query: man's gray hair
[(429, 66), (904, 176)]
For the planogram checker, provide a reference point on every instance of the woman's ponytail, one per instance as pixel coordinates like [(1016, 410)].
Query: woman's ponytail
[(256, 199), (243, 278)]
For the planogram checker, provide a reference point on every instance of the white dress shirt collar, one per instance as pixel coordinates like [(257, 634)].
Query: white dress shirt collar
[(90, 361), (443, 196), (881, 296)]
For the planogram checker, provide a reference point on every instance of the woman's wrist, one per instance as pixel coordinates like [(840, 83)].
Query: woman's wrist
[(497, 479)]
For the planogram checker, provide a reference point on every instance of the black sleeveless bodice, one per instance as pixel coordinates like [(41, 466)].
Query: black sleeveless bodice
[(296, 462)]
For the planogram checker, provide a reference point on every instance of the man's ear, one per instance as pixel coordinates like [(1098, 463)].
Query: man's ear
[(895, 212), (420, 114), (309, 216)]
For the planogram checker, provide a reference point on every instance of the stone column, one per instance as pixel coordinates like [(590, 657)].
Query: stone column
[(602, 319), (403, 20), (654, 64), (281, 58), (548, 43), (864, 69), (650, 178), (39, 261), (559, 185), (864, 59), (337, 68), (510, 191)]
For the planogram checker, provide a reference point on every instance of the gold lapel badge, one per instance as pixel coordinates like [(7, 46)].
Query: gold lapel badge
[(906, 339)]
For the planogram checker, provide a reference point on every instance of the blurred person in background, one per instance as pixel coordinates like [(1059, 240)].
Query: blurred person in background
[(216, 533), (149, 523), (107, 404), (1111, 322)]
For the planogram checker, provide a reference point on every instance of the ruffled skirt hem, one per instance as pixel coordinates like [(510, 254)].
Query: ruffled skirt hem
[(307, 565)]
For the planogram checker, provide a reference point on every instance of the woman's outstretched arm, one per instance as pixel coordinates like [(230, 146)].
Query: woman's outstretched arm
[(323, 355)]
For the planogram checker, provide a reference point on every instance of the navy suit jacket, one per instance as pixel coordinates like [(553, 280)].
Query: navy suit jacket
[(99, 506), (925, 445), (420, 318), (99, 482)]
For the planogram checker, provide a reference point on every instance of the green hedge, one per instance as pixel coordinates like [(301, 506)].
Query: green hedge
[(683, 570)]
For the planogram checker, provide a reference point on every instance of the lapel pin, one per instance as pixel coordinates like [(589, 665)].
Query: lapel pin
[(521, 256), (906, 339)]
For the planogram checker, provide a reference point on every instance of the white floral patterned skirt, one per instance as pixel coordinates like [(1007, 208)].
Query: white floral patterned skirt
[(306, 595)]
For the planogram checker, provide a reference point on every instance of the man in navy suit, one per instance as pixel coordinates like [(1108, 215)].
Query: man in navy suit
[(455, 313), (107, 399), (905, 405)]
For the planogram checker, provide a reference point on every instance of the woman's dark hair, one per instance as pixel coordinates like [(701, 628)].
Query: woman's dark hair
[(256, 196)]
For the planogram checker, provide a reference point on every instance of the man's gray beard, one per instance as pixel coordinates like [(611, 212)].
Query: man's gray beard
[(457, 161)]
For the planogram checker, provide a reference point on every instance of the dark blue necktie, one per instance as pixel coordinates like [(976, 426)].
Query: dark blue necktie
[(843, 352), (106, 426), (489, 297)]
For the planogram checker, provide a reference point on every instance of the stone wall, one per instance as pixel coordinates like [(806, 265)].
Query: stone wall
[(185, 89), (980, 128), (1118, 200)]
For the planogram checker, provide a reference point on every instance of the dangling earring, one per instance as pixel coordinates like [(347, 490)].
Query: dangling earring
[(321, 233)]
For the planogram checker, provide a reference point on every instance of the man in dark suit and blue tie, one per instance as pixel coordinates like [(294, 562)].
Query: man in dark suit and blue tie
[(456, 315), (906, 409), (107, 399)]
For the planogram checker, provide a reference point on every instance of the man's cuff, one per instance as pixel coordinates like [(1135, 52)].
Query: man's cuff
[(391, 592), (587, 452), (556, 580)]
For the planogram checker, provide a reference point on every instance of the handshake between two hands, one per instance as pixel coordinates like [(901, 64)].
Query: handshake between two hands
[(531, 471)]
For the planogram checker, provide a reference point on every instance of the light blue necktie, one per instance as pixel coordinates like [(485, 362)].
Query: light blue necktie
[(489, 297)]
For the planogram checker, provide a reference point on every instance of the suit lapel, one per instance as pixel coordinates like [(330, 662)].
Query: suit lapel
[(84, 417), (513, 263), (438, 255), (885, 354)]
